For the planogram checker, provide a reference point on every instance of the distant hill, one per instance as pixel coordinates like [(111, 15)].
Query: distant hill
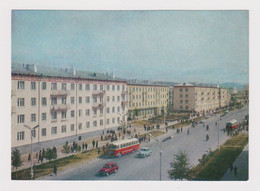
[(232, 85)]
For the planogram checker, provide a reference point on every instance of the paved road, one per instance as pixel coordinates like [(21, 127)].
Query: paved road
[(132, 168)]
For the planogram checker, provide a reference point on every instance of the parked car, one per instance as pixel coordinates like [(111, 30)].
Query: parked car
[(144, 152), (108, 169)]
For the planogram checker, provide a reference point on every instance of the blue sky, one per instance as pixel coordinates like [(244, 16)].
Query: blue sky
[(178, 46)]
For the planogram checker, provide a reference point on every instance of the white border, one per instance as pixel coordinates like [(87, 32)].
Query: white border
[(5, 159)]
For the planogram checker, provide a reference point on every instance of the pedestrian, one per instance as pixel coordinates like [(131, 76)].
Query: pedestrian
[(231, 168), (101, 137), (181, 130), (188, 132), (207, 137), (93, 143), (98, 151), (29, 157), (55, 169), (86, 146), (235, 170), (207, 128), (83, 145), (36, 155)]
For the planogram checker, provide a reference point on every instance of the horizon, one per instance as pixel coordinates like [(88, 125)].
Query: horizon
[(170, 46)]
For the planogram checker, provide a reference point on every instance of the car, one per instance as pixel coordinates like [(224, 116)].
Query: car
[(108, 169), (144, 152)]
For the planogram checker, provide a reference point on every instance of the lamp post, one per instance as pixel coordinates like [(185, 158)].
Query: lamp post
[(123, 115), (160, 152), (218, 134), (26, 126)]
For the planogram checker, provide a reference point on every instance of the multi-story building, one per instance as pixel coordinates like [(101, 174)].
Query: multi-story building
[(64, 103), (199, 99), (246, 92), (146, 99)]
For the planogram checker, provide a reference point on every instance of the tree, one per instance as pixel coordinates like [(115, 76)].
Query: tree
[(180, 167), (66, 148), (162, 111), (16, 160), (50, 154), (136, 112)]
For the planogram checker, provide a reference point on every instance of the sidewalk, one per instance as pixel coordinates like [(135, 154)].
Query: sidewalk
[(139, 130), (242, 167)]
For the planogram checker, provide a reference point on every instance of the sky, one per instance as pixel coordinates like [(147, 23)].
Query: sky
[(176, 46)]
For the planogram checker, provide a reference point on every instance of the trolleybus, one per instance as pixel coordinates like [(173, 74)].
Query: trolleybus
[(232, 124)]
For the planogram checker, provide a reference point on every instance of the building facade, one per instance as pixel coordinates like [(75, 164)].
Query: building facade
[(146, 99), (199, 99), (63, 103)]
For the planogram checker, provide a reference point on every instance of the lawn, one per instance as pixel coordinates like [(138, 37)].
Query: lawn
[(220, 160)]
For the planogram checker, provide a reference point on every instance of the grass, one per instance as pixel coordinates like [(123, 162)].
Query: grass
[(218, 163), (156, 133), (62, 163)]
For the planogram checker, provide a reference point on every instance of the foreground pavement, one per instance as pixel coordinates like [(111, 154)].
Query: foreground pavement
[(132, 168)]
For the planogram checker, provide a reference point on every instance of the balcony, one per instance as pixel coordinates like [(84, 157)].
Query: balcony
[(60, 107), (13, 110), (98, 105), (60, 92), (124, 103), (98, 93)]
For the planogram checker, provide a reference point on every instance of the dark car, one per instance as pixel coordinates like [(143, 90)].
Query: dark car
[(108, 169)]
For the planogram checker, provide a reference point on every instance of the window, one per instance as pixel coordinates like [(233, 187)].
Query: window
[(53, 86), (101, 111), (80, 113), (113, 120), (113, 98), (94, 99), (87, 124), (80, 126), (54, 130), (20, 85), (44, 132), (101, 122), (20, 118), (186, 101), (181, 107), (101, 99), (44, 118), (80, 100), (80, 87), (95, 111), (123, 108), (33, 101), (33, 117), (63, 114), (108, 110), (107, 121), (180, 90), (107, 87), (72, 113), (63, 128), (87, 112), (118, 87), (33, 85), (72, 100), (94, 123), (72, 86), (53, 115), (44, 85), (118, 119), (118, 98), (118, 109), (72, 127), (101, 87), (63, 100), (87, 87), (107, 98), (186, 89), (53, 101), (186, 95), (64, 86), (20, 102), (187, 107), (95, 87), (33, 132), (113, 109), (20, 136), (87, 99), (181, 95), (181, 101), (44, 101)]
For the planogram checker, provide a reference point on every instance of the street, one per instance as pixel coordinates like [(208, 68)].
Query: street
[(132, 168)]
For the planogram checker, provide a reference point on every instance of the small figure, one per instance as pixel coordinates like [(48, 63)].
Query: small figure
[(188, 132)]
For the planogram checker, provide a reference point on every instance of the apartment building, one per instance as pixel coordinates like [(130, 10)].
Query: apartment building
[(64, 103), (199, 99), (146, 99)]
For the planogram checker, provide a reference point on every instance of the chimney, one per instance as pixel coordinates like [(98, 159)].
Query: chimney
[(31, 67)]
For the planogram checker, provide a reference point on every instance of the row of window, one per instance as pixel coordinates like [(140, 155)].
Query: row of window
[(186, 95), (186, 90), (54, 130), (146, 104), (21, 86), (149, 96), (146, 89)]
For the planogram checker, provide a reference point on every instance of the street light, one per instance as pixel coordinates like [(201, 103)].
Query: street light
[(26, 126), (218, 134), (161, 141)]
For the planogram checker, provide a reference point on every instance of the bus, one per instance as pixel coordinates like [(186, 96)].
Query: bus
[(232, 124), (122, 147)]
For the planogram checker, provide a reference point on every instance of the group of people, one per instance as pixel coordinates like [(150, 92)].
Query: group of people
[(148, 128), (233, 168)]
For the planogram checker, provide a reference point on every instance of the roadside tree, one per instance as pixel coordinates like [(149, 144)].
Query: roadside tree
[(50, 154), (66, 149), (180, 167), (16, 160)]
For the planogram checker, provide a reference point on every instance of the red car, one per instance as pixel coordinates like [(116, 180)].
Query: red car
[(108, 169)]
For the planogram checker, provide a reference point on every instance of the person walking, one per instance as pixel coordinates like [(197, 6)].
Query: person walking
[(86, 146), (207, 137), (93, 143), (235, 170), (29, 157), (97, 144)]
